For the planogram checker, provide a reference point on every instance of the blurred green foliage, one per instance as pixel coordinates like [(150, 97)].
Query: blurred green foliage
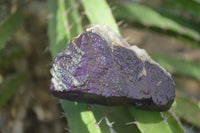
[(10, 26), (66, 20), (9, 86), (188, 110), (7, 54), (179, 66)]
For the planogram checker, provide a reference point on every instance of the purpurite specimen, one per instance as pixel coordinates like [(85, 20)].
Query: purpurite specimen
[(100, 67)]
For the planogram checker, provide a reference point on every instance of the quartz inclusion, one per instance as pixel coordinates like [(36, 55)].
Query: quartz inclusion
[(100, 67)]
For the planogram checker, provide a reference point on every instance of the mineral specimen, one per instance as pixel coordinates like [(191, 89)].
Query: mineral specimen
[(99, 67)]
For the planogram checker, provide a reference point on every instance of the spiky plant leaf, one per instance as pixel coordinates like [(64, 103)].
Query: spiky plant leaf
[(173, 121), (148, 17), (192, 6), (150, 121), (188, 110), (98, 12), (156, 114), (81, 111), (114, 119), (56, 28), (178, 65), (62, 15), (80, 118)]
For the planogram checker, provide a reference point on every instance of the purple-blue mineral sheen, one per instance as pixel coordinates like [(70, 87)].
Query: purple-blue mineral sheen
[(99, 67)]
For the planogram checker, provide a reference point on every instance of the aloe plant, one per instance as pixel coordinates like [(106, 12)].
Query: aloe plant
[(191, 110), (179, 66), (66, 20), (187, 31), (191, 7), (97, 118)]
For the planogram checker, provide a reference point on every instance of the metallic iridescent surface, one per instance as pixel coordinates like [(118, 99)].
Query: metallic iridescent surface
[(100, 67)]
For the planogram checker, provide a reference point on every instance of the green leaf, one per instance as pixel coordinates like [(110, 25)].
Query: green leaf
[(10, 26), (114, 119), (191, 6), (56, 30), (73, 20), (96, 118), (173, 121), (179, 66), (149, 17), (8, 87), (98, 12), (150, 121), (187, 110), (79, 117), (119, 115), (189, 42), (63, 23)]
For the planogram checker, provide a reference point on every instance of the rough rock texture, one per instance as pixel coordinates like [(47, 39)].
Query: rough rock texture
[(100, 67)]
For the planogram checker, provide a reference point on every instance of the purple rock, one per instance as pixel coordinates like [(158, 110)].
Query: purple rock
[(100, 67)]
